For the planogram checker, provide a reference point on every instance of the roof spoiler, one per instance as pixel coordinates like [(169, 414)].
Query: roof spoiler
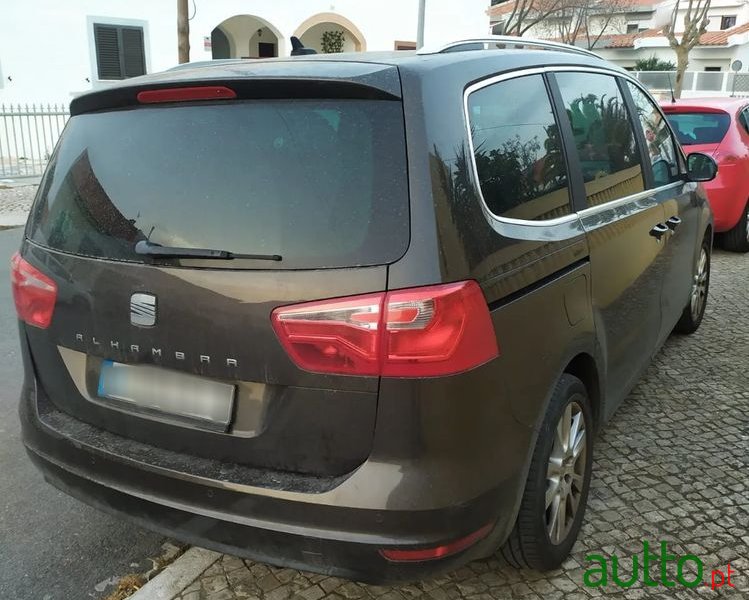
[(298, 49)]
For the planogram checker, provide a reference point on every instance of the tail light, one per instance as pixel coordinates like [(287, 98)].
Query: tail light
[(420, 332), (34, 293), (186, 94)]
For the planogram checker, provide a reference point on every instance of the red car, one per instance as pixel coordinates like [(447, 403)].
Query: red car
[(719, 127)]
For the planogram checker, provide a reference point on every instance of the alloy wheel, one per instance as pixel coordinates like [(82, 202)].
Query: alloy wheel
[(565, 475), (699, 286)]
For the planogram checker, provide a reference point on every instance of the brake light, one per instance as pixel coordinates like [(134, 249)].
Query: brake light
[(34, 293), (422, 554), (420, 332), (186, 94)]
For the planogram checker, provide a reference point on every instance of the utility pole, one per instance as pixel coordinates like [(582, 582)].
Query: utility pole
[(420, 29), (183, 32)]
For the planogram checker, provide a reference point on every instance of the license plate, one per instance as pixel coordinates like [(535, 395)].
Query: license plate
[(169, 393)]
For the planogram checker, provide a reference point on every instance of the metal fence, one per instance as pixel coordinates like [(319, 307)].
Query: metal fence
[(697, 83), (28, 134)]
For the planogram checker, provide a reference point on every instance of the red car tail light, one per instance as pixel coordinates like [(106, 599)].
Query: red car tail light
[(186, 94), (34, 293), (423, 554), (419, 332)]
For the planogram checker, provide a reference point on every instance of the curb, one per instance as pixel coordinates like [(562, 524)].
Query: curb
[(177, 576), (10, 220)]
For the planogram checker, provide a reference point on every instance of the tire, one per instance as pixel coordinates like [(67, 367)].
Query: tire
[(694, 311), (737, 239), (530, 544)]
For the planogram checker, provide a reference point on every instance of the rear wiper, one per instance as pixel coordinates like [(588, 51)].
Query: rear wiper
[(146, 248)]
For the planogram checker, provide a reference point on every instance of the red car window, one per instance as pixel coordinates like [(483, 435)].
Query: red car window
[(699, 127)]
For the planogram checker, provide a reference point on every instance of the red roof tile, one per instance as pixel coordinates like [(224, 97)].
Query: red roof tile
[(720, 38)]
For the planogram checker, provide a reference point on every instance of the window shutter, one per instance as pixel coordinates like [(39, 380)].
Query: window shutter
[(107, 52), (133, 59)]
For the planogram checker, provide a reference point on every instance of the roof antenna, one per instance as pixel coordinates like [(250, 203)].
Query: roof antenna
[(671, 88), (298, 49)]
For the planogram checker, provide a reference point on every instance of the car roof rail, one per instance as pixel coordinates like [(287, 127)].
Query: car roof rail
[(486, 43)]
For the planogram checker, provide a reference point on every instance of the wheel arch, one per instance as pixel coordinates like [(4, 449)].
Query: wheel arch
[(584, 367)]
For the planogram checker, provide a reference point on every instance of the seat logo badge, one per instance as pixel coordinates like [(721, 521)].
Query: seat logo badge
[(143, 310)]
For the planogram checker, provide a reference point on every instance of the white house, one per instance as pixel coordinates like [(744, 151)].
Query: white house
[(636, 31), (51, 50)]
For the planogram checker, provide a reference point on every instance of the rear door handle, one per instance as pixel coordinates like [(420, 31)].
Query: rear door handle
[(673, 223), (659, 231)]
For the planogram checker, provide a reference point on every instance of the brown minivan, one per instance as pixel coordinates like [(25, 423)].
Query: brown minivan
[(359, 314)]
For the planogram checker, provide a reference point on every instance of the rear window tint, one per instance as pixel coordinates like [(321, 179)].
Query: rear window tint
[(320, 182), (699, 128)]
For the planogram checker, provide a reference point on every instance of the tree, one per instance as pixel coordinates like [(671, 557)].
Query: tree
[(183, 32), (527, 13), (588, 20), (654, 64), (570, 21), (695, 24)]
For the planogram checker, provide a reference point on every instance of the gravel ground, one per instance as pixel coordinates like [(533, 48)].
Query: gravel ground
[(671, 466), (15, 202)]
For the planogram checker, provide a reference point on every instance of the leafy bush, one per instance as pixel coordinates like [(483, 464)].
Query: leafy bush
[(332, 42), (654, 64)]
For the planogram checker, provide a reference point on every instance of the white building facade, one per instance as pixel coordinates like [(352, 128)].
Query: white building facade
[(51, 50)]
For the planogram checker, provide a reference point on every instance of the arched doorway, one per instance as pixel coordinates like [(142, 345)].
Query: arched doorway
[(311, 32), (220, 46), (246, 36)]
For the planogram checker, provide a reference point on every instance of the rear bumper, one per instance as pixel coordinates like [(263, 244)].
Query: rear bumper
[(292, 529)]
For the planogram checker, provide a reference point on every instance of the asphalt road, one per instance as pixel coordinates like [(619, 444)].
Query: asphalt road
[(51, 546)]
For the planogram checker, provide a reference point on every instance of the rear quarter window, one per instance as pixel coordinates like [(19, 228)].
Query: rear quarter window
[(518, 153)]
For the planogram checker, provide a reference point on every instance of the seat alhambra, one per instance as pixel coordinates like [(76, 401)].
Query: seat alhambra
[(359, 314)]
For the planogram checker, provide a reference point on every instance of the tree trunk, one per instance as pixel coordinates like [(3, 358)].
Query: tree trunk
[(183, 32), (682, 62)]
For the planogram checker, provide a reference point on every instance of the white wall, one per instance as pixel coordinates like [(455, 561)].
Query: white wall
[(549, 28), (46, 46), (312, 38), (699, 58)]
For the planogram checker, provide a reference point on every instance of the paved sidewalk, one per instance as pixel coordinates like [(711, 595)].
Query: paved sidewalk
[(673, 465), (15, 202)]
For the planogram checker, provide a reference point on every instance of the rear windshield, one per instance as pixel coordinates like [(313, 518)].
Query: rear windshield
[(322, 183), (699, 128)]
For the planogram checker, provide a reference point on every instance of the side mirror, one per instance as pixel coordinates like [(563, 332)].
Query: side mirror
[(701, 167)]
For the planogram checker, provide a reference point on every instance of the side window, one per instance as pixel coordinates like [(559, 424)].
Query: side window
[(661, 148), (518, 150), (605, 140)]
